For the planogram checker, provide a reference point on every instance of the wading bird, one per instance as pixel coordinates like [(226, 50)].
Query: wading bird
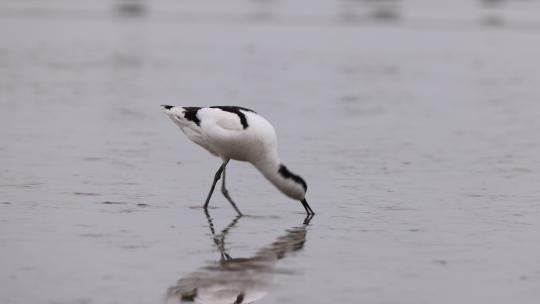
[(240, 134)]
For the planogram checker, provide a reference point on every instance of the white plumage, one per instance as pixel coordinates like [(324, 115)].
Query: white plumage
[(238, 133)]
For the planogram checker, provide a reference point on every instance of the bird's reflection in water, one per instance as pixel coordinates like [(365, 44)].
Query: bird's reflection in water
[(237, 280)]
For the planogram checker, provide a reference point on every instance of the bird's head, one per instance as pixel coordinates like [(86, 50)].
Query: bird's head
[(182, 116), (292, 185)]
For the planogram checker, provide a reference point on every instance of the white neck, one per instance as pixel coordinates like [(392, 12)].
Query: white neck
[(269, 166)]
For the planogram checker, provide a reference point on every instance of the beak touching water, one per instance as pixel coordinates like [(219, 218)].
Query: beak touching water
[(307, 207)]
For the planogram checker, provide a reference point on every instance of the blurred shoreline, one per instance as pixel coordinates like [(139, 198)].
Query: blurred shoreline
[(400, 13)]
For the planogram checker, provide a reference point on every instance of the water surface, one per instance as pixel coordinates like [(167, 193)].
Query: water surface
[(420, 147)]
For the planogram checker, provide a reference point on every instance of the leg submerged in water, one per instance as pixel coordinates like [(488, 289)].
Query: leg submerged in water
[(216, 178)]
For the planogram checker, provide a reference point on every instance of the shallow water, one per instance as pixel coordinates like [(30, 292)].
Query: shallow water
[(420, 148)]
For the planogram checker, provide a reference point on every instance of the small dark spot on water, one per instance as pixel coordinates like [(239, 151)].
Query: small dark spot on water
[(6, 203), (178, 163), (523, 278), (107, 277), (27, 185), (385, 15), (521, 170), (124, 184), (113, 203), (85, 225), (133, 246), (92, 235), (86, 193), (92, 158), (131, 9), (201, 207), (127, 211), (143, 205), (441, 262), (414, 230), (76, 301), (350, 98), (397, 208), (493, 21)]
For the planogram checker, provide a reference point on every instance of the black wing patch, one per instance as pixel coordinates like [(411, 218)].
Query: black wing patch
[(190, 114), (283, 171), (236, 110)]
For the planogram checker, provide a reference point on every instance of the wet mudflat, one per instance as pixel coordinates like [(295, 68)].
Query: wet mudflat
[(420, 147)]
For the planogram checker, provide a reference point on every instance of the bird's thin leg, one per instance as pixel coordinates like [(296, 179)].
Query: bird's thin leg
[(216, 178), (226, 192)]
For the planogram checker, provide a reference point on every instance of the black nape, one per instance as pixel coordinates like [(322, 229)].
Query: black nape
[(283, 171), (190, 113), (168, 107)]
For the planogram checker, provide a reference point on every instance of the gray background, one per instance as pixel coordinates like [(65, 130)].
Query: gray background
[(415, 123)]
